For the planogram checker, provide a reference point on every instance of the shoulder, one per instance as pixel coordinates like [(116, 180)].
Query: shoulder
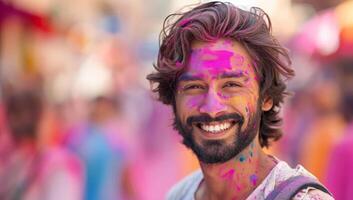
[(280, 175), (186, 188), (312, 194)]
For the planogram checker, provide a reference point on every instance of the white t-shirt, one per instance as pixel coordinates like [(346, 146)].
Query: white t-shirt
[(186, 188)]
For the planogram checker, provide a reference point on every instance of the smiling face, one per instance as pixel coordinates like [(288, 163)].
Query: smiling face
[(217, 101)]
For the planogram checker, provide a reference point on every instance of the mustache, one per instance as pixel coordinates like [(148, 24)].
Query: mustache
[(204, 118)]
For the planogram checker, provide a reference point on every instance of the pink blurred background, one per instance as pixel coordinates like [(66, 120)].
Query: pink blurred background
[(78, 121)]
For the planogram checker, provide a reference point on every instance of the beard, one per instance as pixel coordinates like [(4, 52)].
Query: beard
[(218, 151)]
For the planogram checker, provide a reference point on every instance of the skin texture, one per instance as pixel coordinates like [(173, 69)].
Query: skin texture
[(221, 80)]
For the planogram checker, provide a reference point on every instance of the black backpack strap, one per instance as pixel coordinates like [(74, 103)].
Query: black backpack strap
[(290, 187)]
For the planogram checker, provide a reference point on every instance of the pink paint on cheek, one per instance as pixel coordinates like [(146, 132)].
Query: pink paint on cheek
[(193, 102), (238, 60), (223, 96)]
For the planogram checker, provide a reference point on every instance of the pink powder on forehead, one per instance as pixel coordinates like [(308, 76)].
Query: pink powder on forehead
[(238, 60), (214, 61), (228, 42)]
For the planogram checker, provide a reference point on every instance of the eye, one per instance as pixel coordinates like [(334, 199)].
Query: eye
[(231, 85), (193, 87)]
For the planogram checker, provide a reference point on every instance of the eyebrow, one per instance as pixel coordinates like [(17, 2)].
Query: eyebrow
[(236, 74), (190, 77)]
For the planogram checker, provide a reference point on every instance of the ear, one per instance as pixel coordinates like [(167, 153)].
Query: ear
[(267, 103)]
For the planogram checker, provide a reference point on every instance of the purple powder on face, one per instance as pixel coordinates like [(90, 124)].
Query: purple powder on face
[(253, 179), (194, 102)]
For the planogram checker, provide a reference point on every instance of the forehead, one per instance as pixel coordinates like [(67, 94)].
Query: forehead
[(217, 57)]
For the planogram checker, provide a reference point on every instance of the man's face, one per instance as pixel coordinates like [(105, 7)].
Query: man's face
[(217, 101)]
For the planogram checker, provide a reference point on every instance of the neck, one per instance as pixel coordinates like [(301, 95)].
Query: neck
[(236, 178)]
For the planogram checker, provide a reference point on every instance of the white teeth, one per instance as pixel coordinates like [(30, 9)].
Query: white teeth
[(216, 128)]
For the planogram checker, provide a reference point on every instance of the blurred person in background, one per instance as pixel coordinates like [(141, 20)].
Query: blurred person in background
[(316, 125), (101, 145), (219, 67), (339, 175), (326, 125), (30, 170)]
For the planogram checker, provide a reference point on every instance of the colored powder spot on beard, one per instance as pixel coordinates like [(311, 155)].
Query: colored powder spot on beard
[(178, 64), (242, 158), (253, 179), (251, 154)]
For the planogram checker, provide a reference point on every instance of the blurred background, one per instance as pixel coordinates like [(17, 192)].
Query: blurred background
[(77, 119)]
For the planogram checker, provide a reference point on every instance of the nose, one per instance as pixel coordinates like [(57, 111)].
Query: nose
[(213, 105)]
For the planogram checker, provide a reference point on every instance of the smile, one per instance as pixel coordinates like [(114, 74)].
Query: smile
[(216, 127)]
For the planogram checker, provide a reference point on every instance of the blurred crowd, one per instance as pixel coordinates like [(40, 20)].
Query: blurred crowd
[(77, 119)]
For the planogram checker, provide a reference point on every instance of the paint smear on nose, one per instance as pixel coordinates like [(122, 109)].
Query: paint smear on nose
[(214, 61)]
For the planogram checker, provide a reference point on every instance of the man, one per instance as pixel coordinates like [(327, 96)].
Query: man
[(223, 73)]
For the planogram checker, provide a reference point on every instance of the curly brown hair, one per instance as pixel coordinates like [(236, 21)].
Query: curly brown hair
[(214, 20)]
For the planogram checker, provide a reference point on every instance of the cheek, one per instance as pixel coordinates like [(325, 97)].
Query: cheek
[(193, 102), (244, 103), (239, 102), (186, 105)]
